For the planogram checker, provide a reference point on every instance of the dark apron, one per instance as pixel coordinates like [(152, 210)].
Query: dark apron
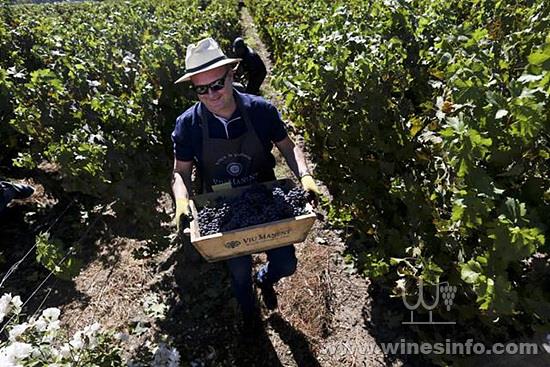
[(240, 161)]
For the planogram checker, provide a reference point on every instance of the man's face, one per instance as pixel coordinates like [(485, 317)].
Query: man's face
[(217, 101)]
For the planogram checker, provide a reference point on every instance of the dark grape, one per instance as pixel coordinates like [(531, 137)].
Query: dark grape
[(256, 205)]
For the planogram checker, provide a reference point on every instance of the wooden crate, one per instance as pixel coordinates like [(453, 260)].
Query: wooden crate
[(248, 240)]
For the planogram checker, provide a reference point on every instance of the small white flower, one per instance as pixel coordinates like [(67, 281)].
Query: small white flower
[(90, 332), (48, 321), (92, 329), (5, 361), (17, 303), (17, 331), (51, 314), (77, 343), (65, 350), (92, 342), (16, 351), (54, 326), (5, 304), (38, 352), (50, 331), (48, 339), (41, 324)]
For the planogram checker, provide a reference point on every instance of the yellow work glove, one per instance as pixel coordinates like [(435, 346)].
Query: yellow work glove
[(309, 185), (182, 208)]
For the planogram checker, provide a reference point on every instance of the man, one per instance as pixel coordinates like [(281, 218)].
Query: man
[(229, 136), (10, 191), (251, 65)]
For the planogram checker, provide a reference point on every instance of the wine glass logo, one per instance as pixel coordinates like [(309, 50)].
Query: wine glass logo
[(448, 293)]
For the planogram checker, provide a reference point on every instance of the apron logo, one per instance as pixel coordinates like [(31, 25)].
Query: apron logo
[(234, 169)]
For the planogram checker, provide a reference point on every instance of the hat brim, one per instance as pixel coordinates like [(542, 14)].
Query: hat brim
[(223, 62)]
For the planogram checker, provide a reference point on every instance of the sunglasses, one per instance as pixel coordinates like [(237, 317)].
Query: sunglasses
[(216, 85)]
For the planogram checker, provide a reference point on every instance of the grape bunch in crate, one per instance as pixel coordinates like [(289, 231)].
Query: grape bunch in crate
[(245, 220), (256, 205)]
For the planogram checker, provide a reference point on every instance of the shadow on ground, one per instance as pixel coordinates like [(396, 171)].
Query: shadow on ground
[(71, 220), (19, 268), (297, 341), (205, 321), (383, 320)]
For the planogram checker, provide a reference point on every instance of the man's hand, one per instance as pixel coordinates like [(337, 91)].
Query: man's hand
[(310, 187), (182, 209)]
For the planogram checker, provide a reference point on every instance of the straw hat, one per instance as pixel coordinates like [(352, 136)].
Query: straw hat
[(203, 56)]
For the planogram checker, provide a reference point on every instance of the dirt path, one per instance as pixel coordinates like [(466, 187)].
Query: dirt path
[(322, 301)]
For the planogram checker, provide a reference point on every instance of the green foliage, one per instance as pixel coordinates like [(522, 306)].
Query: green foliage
[(55, 256), (90, 88), (429, 121)]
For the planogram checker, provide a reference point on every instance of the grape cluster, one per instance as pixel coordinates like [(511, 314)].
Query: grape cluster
[(256, 205), (210, 217), (448, 292), (296, 198)]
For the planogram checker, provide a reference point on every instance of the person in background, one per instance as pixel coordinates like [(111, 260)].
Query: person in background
[(10, 191), (251, 66), (229, 135)]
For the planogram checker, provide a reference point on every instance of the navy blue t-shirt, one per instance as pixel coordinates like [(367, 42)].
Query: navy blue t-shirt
[(266, 121)]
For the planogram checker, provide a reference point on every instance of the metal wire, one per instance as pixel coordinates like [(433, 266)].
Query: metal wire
[(67, 254), (14, 267)]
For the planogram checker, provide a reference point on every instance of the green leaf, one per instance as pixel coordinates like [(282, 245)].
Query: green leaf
[(395, 261), (516, 209), (485, 292), (463, 168), (470, 271), (539, 57), (53, 255)]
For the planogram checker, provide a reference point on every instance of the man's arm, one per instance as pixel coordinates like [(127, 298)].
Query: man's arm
[(297, 162), (294, 157), (181, 187), (181, 180)]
